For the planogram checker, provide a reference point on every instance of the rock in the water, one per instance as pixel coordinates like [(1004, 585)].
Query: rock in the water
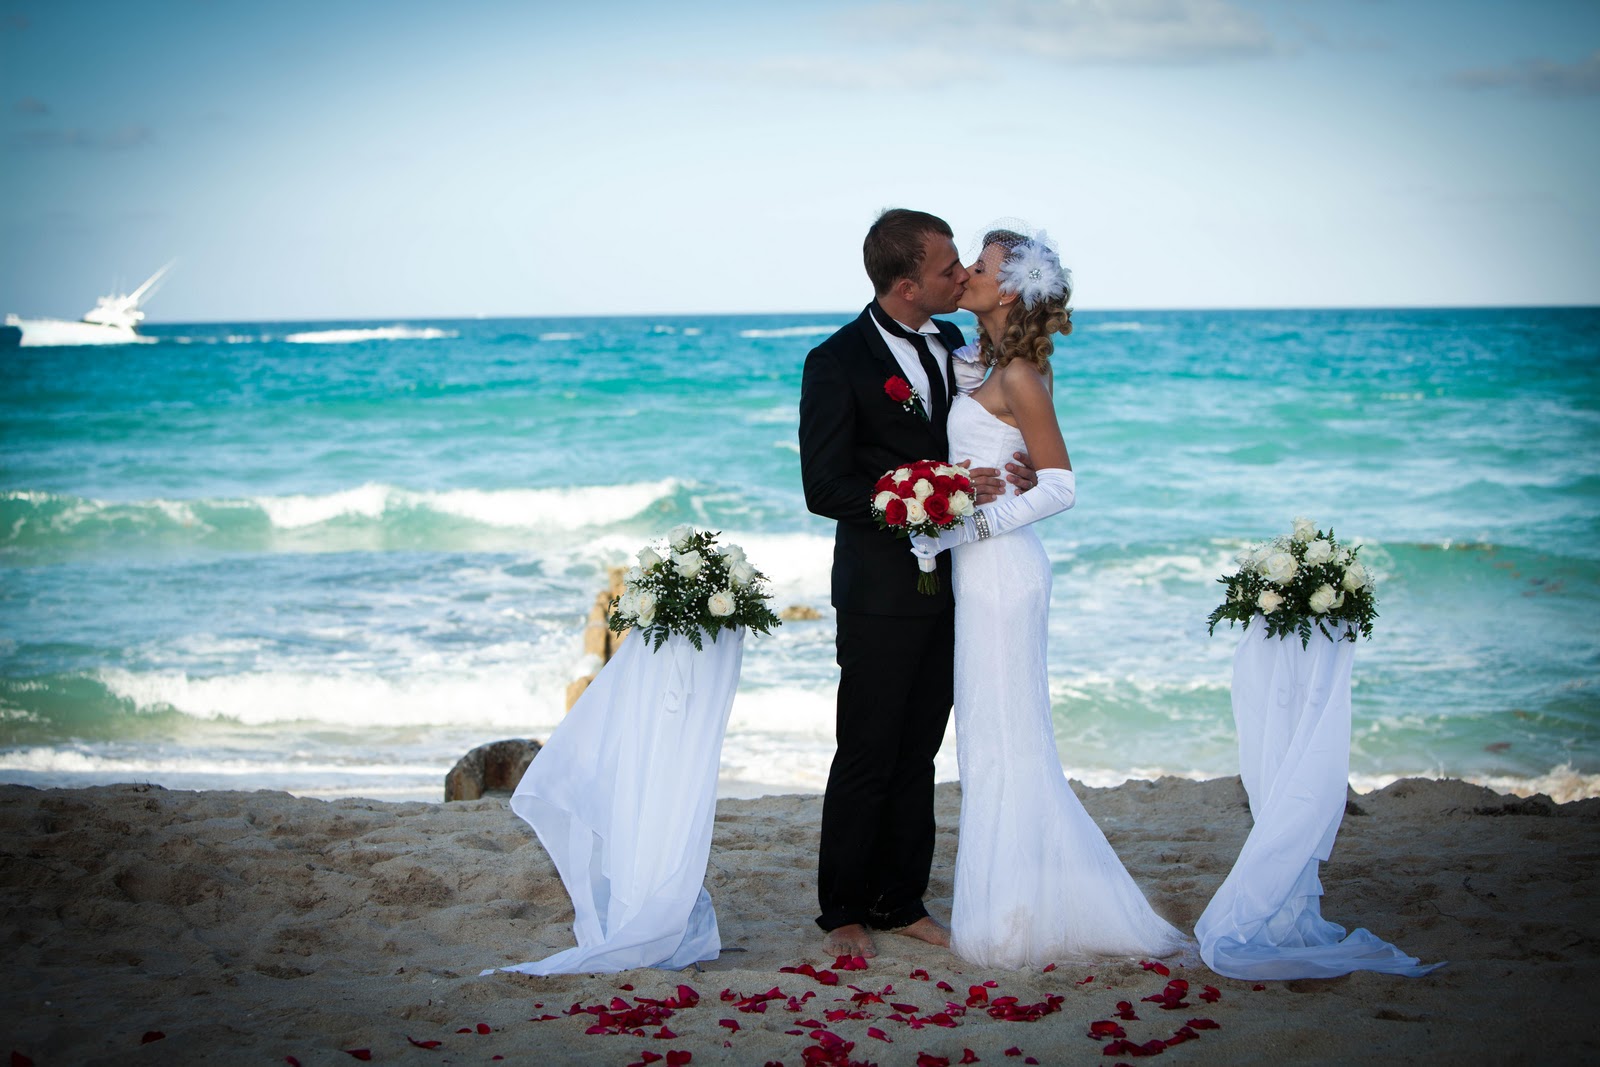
[(799, 613), (493, 768)]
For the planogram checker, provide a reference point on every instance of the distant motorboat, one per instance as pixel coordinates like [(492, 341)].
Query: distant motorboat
[(114, 320)]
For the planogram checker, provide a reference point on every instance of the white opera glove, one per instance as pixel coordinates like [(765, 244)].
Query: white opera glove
[(925, 547), (1056, 492)]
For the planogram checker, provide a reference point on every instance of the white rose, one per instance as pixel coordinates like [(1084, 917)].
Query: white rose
[(923, 489), (648, 558), (688, 563), (678, 536), (950, 471), (646, 608), (741, 574), (915, 512), (733, 554), (1304, 529), (1338, 601), (1355, 577), (633, 575), (1279, 567), (902, 473), (720, 603), (628, 604), (1345, 556), (1269, 601), (1322, 599), (960, 504), (881, 501), (1319, 551)]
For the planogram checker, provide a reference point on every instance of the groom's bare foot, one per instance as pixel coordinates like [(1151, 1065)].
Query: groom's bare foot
[(928, 929), (851, 939)]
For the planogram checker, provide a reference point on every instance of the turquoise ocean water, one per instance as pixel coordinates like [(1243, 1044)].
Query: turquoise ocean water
[(330, 557)]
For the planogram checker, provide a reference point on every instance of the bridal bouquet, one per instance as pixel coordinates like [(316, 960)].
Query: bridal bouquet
[(1298, 581), (922, 498), (688, 586)]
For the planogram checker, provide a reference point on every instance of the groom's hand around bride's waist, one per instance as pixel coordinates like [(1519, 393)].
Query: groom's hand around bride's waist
[(989, 485)]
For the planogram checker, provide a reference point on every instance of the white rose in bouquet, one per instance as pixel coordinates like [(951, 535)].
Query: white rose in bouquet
[(679, 536), (902, 473), (1279, 567), (721, 603), (1319, 551), (1304, 529), (733, 554), (645, 608), (1322, 599), (915, 512), (1269, 601), (1355, 576), (648, 558), (960, 504), (923, 489), (633, 575), (741, 574), (881, 501), (628, 604), (688, 563), (1338, 601)]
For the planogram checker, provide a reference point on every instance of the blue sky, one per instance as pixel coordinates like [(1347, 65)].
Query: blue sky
[(352, 159)]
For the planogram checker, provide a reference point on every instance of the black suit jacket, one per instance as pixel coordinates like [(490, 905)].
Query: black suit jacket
[(851, 432)]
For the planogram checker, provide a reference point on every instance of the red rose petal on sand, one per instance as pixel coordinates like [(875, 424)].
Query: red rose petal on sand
[(465, 1030), (677, 1058), (423, 1044), (947, 987), (664, 1034), (1125, 1012), (1103, 1028), (629, 987), (851, 963), (920, 975), (152, 1035), (648, 1056), (1159, 968), (1087, 980), (1048, 968), (977, 995), (359, 1053), (795, 1033), (1210, 994), (290, 1060), (731, 1024), (1013, 1051), (1031, 1060), (912, 1008), (1204, 1024), (485, 1028), (928, 1059), (873, 1031), (1258, 987), (968, 1056)]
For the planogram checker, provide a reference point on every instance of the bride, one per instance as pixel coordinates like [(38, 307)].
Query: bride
[(1036, 880)]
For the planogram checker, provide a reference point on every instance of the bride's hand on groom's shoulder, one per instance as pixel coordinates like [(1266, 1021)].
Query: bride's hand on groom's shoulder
[(989, 485)]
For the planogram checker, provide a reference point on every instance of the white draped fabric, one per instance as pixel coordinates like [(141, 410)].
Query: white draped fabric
[(622, 798), (1291, 706)]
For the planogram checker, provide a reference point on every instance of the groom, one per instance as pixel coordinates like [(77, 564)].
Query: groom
[(895, 645)]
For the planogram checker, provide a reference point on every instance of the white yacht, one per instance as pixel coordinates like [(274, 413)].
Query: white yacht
[(112, 321)]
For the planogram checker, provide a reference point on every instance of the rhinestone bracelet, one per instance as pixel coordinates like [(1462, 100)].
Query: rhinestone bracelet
[(981, 521)]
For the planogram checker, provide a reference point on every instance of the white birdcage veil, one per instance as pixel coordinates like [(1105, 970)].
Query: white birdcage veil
[(1032, 267)]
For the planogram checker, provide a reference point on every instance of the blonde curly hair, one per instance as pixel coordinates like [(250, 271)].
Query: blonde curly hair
[(1029, 331)]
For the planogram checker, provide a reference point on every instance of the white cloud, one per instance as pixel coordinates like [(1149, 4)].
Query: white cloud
[(1133, 32), (1538, 77)]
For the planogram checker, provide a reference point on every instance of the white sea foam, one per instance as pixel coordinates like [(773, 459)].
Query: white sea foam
[(524, 697), (379, 333), (791, 331), (1118, 327), (1561, 784), (553, 508), (559, 335)]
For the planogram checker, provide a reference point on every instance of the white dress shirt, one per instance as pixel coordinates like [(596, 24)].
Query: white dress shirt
[(905, 354)]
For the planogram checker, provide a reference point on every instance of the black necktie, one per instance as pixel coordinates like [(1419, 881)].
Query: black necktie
[(937, 386)]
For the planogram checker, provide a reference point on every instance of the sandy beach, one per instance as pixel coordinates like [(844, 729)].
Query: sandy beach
[(255, 927)]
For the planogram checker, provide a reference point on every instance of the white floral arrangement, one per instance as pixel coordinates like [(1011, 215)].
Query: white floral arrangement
[(1306, 579), (691, 586)]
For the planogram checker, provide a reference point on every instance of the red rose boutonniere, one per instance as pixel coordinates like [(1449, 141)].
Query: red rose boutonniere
[(901, 392)]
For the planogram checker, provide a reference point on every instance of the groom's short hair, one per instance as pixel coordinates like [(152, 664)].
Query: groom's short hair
[(893, 248)]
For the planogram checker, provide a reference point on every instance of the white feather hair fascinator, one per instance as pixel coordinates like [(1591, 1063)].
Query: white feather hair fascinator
[(1032, 268)]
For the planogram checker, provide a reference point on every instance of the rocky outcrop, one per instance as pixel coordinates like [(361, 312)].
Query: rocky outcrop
[(493, 768), (598, 640)]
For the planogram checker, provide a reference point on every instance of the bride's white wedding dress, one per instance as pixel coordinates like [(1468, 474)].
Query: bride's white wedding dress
[(1036, 880)]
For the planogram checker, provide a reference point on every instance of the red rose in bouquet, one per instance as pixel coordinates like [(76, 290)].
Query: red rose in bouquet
[(922, 498)]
